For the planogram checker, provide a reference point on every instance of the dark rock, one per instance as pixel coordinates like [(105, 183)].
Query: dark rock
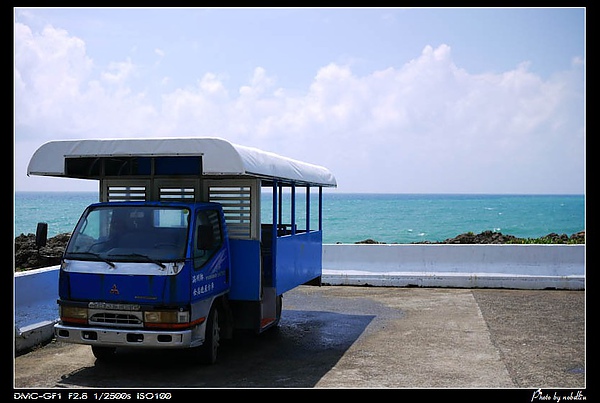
[(368, 241), (578, 237), (28, 256), (486, 237)]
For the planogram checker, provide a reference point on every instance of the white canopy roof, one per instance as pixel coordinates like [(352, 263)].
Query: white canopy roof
[(219, 157)]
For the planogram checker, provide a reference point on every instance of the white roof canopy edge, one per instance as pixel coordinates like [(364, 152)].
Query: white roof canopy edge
[(219, 157)]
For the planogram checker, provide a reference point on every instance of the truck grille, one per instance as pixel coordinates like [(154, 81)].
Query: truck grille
[(123, 319)]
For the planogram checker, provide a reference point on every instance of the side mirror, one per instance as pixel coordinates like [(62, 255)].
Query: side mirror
[(41, 234)]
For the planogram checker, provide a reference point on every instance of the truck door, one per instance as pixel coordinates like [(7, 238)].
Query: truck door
[(210, 254)]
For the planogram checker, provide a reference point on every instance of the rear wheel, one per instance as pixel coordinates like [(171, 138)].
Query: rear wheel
[(279, 305), (207, 352), (103, 353)]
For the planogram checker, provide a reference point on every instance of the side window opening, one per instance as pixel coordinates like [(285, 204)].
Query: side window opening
[(207, 236)]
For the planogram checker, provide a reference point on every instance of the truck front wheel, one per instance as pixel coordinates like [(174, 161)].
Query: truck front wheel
[(207, 352), (103, 353)]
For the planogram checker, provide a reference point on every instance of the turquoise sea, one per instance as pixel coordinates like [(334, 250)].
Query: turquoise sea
[(349, 218)]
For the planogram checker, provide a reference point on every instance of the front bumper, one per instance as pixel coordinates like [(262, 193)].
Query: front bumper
[(96, 336)]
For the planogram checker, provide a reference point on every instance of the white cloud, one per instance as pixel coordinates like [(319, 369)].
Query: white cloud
[(118, 72), (211, 84), (259, 84), (50, 69), (427, 126)]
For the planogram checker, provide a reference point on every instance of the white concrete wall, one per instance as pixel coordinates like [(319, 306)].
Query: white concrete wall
[(36, 311), (529, 266), (422, 265), (34, 286)]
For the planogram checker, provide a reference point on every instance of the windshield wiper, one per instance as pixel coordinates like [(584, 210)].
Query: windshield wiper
[(111, 264), (148, 258)]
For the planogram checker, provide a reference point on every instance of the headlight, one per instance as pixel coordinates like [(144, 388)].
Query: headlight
[(73, 314), (151, 317)]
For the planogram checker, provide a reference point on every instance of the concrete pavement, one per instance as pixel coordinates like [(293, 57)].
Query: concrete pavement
[(362, 337)]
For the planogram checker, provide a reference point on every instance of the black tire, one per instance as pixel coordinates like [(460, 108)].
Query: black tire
[(207, 352), (103, 353), (278, 310)]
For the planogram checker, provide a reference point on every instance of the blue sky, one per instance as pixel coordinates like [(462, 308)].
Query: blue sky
[(394, 100)]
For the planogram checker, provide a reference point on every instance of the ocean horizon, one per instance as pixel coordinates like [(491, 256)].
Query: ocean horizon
[(354, 217)]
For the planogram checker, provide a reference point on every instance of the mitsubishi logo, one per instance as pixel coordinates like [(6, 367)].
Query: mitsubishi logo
[(114, 290)]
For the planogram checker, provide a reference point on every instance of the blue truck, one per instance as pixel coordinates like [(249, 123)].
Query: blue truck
[(192, 239)]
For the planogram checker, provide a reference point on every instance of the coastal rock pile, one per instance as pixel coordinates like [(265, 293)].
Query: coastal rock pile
[(27, 255), (486, 237), (491, 237)]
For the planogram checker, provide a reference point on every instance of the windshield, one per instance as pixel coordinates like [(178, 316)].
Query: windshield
[(130, 233)]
